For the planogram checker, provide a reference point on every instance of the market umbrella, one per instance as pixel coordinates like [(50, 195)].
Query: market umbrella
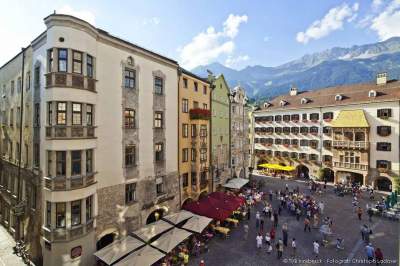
[(197, 223), (151, 230), (205, 209), (178, 217), (145, 256), (225, 204), (169, 240), (224, 196), (118, 249)]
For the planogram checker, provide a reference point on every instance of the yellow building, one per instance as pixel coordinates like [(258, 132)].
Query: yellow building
[(194, 136)]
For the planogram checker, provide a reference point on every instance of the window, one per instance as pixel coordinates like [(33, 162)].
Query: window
[(382, 164), (338, 97), (18, 117), (130, 155), (11, 117), (193, 131), (19, 85), (384, 131), (50, 59), (50, 113), (49, 163), (185, 155), (371, 94), (77, 62), (130, 78), (158, 120), (203, 155), (12, 87), (304, 142), (60, 163), (185, 130), (286, 118), (185, 105), (48, 214), (76, 212), (195, 104), (314, 130), (205, 107), (196, 86), (194, 178), (314, 117), (89, 161), (62, 60), (384, 113), (295, 117), (37, 115), (37, 77), (76, 114), (61, 113), (129, 118), (28, 81), (60, 214), (203, 131), (185, 83), (76, 166), (278, 118), (383, 146), (36, 155), (89, 208), (89, 114), (89, 66), (130, 193), (159, 149), (158, 85), (159, 185), (193, 154), (185, 179), (204, 89), (327, 116), (304, 117)]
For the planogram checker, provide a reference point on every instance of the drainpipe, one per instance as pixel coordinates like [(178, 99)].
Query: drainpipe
[(179, 172), (230, 132), (19, 192)]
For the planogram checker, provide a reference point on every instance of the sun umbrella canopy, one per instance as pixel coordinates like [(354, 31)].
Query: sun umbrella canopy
[(227, 197), (118, 249), (236, 183), (151, 230), (277, 167), (221, 204), (205, 209), (178, 217), (197, 223), (169, 240), (145, 256)]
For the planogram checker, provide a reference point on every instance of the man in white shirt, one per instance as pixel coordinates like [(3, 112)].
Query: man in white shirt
[(316, 248), (259, 240)]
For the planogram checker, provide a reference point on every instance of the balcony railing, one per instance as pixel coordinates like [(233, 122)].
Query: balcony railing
[(64, 234), (70, 132), (350, 144), (61, 183), (70, 80), (354, 166)]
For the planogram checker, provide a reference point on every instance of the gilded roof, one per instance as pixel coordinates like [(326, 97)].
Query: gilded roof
[(350, 118)]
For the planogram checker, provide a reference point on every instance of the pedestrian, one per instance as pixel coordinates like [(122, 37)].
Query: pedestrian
[(370, 214), (280, 210), (259, 240), (316, 220), (298, 213), (268, 243), (272, 235), (321, 207), (286, 187), (359, 213), (307, 225), (316, 248), (246, 231), (262, 226), (362, 230), (369, 249), (294, 247), (248, 213), (378, 256), (279, 248), (270, 195), (285, 234), (275, 219), (257, 219), (202, 263)]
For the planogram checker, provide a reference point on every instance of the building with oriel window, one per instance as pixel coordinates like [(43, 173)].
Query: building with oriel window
[(341, 134), (89, 123)]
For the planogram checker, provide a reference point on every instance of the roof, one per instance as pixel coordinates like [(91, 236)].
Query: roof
[(350, 118), (351, 94), (187, 72)]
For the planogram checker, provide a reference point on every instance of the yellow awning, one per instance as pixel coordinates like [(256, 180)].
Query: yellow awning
[(350, 118), (277, 167)]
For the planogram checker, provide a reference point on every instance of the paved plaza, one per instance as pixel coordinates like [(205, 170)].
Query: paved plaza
[(237, 251), (7, 257)]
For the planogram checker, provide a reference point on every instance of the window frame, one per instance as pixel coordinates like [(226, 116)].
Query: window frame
[(76, 114), (62, 112), (129, 118), (158, 119), (77, 62), (158, 87), (62, 59), (130, 193), (89, 66), (129, 78), (130, 155)]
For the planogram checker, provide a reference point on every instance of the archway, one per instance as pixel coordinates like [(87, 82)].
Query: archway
[(328, 175), (105, 241), (302, 171), (383, 183), (155, 216), (188, 200)]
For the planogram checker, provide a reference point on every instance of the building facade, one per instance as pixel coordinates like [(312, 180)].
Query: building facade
[(194, 136), (102, 138), (239, 133), (342, 134), (220, 129)]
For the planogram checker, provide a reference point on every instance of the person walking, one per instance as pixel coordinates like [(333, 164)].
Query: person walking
[(370, 251), (257, 219), (359, 213), (275, 219), (378, 256), (370, 214), (294, 247), (272, 235), (246, 231), (316, 248), (248, 213), (262, 226), (279, 248), (202, 263), (285, 234), (298, 213), (259, 240), (268, 243), (270, 195), (307, 225), (321, 208)]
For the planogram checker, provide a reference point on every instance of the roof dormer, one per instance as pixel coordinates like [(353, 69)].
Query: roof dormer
[(304, 101), (372, 94), (267, 104), (338, 97), (283, 103)]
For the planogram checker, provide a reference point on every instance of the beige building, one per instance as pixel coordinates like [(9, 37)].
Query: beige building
[(100, 141), (342, 134)]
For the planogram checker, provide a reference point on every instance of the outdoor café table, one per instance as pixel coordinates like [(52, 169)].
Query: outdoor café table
[(222, 230), (231, 220)]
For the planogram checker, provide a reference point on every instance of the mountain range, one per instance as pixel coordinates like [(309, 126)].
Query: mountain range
[(332, 67)]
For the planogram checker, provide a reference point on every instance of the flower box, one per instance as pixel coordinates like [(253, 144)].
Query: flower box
[(286, 145), (294, 145), (295, 121), (201, 114), (328, 120), (314, 120), (314, 133)]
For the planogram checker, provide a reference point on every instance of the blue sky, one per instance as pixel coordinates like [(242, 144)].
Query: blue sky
[(236, 33)]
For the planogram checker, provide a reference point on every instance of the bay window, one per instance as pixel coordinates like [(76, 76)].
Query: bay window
[(76, 114), (89, 114), (62, 60), (77, 62), (61, 113), (76, 214), (76, 158), (61, 163), (60, 214), (89, 66)]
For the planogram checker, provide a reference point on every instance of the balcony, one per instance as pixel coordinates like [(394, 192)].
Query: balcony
[(61, 183), (70, 132), (353, 166), (64, 234), (199, 114), (70, 80), (350, 144)]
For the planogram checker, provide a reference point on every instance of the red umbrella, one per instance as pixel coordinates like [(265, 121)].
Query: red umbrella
[(223, 204), (226, 197), (205, 209)]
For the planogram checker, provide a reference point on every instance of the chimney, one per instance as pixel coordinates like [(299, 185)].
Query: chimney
[(381, 78), (293, 91)]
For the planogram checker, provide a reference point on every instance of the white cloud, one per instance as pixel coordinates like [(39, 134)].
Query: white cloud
[(387, 23), (211, 44), (266, 39), (82, 14), (151, 21), (232, 61), (376, 3), (332, 21)]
